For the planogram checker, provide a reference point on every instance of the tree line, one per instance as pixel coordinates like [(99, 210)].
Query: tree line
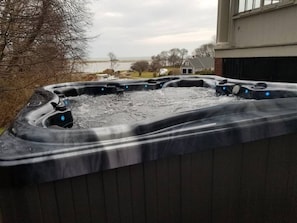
[(173, 58)]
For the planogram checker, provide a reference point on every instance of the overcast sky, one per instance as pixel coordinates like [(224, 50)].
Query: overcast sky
[(133, 28)]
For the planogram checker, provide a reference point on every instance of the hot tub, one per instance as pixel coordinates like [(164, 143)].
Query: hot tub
[(234, 161)]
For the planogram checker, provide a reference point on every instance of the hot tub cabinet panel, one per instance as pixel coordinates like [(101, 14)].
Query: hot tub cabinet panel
[(250, 182), (227, 163)]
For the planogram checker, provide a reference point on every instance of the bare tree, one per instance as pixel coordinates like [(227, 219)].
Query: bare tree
[(205, 50), (41, 36), (183, 54), (113, 60), (173, 57), (155, 64), (140, 66), (164, 58)]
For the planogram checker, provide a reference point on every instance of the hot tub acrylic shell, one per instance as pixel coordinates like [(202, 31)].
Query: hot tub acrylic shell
[(233, 162)]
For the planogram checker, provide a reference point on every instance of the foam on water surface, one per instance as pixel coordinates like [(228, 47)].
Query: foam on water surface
[(106, 110)]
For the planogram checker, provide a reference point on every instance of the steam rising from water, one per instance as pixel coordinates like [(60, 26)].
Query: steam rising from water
[(131, 107)]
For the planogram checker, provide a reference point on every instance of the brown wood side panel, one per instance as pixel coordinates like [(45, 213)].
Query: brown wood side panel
[(65, 201), (150, 180), (201, 186), (292, 181), (186, 194), (276, 200), (7, 205), (138, 196), (96, 198), (111, 196), (48, 202), (253, 181), (81, 199), (124, 190), (226, 184), (162, 190), (28, 205), (1, 217), (174, 189)]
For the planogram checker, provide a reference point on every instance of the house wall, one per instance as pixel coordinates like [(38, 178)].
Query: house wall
[(218, 66), (272, 28), (187, 70), (268, 32)]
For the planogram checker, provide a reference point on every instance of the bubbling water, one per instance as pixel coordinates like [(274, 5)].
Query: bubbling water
[(131, 107)]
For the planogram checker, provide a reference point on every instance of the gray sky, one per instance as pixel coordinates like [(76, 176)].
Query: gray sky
[(133, 28)]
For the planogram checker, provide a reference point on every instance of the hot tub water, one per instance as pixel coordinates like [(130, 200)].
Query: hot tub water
[(131, 107)]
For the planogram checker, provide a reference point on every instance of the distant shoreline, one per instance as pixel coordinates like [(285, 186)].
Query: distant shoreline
[(121, 60), (107, 61), (94, 66)]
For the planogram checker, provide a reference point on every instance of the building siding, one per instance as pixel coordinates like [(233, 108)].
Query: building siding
[(261, 44)]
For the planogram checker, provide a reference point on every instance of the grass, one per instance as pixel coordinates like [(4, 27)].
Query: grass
[(1, 130), (205, 72), (147, 74)]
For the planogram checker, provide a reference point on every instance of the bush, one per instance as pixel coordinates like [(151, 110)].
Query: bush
[(174, 71), (108, 71), (206, 71)]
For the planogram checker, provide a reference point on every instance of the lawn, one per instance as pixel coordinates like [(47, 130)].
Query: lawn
[(147, 74), (1, 130)]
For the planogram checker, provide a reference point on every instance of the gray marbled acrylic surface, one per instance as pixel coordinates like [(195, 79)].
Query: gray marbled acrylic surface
[(34, 151)]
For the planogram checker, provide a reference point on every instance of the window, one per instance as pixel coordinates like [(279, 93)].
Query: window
[(241, 6), (270, 2), (257, 3), (247, 5), (184, 71)]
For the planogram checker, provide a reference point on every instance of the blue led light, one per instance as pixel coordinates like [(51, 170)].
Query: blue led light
[(127, 86), (145, 86), (224, 88), (161, 85), (102, 89), (267, 93), (246, 91), (63, 118)]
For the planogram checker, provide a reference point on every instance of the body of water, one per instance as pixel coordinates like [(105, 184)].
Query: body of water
[(101, 65)]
